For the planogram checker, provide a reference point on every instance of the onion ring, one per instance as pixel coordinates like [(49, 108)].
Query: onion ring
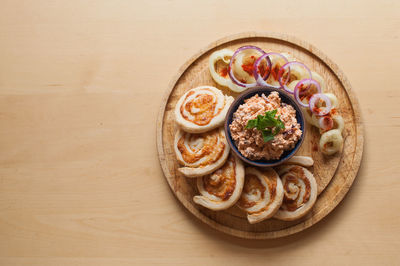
[(338, 123), (230, 69), (317, 77), (243, 64), (317, 110), (310, 117), (333, 99), (290, 72), (262, 80), (220, 55), (300, 86), (325, 123), (331, 142)]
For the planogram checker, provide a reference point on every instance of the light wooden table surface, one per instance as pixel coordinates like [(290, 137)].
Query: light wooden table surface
[(80, 86)]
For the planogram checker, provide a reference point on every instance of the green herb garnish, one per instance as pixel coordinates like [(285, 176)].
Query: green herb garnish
[(267, 124)]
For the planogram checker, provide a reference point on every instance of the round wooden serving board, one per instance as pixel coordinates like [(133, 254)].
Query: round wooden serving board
[(334, 174)]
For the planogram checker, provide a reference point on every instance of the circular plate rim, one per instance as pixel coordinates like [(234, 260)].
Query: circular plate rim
[(358, 124)]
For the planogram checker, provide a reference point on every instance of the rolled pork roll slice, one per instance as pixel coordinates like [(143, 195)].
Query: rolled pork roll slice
[(221, 189), (202, 109), (300, 192), (201, 154), (262, 194)]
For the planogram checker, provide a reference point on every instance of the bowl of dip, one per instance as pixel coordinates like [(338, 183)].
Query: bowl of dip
[(249, 143)]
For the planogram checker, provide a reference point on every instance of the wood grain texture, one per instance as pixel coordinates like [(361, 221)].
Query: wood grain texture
[(81, 83), (233, 221)]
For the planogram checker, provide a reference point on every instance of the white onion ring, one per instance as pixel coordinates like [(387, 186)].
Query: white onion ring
[(315, 109), (230, 72), (282, 70), (334, 137), (245, 75), (338, 123), (262, 80), (309, 116), (215, 57), (333, 99), (317, 77), (325, 123), (298, 88), (338, 120)]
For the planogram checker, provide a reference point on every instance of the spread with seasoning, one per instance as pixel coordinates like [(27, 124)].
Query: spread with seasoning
[(249, 141)]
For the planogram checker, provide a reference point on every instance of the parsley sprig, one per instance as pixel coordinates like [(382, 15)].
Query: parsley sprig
[(267, 124)]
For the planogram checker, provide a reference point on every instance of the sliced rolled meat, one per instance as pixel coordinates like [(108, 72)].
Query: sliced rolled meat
[(221, 189), (262, 194), (202, 109), (300, 192), (201, 154)]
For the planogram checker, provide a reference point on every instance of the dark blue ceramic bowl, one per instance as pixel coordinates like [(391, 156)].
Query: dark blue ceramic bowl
[(285, 98)]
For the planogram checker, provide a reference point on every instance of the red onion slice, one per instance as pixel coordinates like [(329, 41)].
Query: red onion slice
[(318, 110), (230, 72), (262, 80), (300, 86), (256, 72), (325, 123), (282, 71)]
